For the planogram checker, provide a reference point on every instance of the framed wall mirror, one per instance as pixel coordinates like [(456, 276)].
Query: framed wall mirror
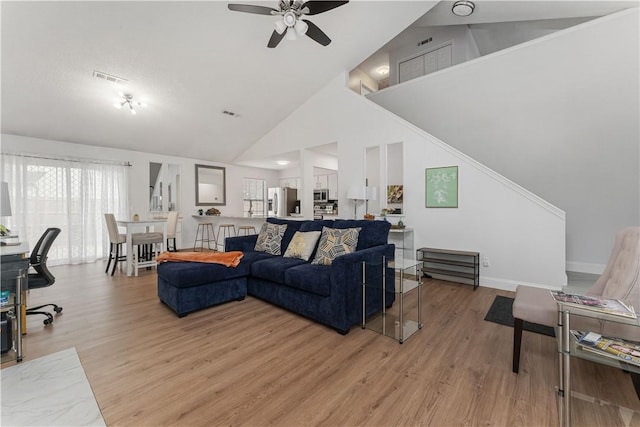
[(210, 185)]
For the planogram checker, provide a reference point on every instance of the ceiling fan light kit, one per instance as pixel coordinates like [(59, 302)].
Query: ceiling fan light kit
[(292, 25), (127, 99)]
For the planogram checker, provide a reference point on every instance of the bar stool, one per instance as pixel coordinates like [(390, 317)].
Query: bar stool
[(205, 228), (245, 230), (224, 231)]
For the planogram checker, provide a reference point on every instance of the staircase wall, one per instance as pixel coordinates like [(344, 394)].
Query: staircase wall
[(558, 115), (522, 235)]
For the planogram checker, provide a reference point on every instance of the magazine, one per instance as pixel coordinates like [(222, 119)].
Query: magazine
[(595, 303), (615, 348)]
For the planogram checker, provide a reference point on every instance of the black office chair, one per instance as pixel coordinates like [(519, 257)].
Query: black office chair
[(42, 277)]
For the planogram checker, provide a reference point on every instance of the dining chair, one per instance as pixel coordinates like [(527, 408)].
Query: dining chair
[(147, 249), (115, 242), (172, 225)]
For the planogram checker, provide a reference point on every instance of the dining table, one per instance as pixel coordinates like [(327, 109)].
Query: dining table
[(136, 225)]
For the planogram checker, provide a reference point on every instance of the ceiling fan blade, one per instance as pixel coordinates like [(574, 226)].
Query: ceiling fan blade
[(317, 34), (275, 38), (316, 7), (249, 8)]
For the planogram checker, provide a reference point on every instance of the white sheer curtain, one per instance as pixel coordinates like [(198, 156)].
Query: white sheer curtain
[(69, 194)]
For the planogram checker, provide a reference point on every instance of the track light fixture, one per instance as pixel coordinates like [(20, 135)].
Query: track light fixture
[(127, 99)]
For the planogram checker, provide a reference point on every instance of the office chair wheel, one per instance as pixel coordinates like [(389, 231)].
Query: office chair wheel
[(57, 309)]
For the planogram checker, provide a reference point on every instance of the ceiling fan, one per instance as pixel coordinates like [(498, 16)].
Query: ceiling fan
[(292, 24)]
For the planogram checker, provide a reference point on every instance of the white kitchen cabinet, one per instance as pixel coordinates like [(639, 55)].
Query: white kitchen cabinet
[(321, 181), (293, 182)]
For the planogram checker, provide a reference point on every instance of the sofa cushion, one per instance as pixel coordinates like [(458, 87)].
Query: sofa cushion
[(270, 238), (373, 233), (292, 227), (188, 274), (302, 245), (316, 225), (335, 242), (311, 278), (273, 268)]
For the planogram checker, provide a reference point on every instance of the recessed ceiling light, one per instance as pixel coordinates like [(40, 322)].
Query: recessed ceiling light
[(383, 71), (463, 8), (282, 162)]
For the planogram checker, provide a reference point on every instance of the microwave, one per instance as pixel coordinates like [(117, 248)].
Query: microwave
[(321, 195)]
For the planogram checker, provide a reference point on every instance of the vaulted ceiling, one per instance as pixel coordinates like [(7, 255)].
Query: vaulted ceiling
[(191, 61)]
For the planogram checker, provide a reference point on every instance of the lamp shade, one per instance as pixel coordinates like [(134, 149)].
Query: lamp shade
[(280, 26), (357, 192), (301, 27), (5, 206)]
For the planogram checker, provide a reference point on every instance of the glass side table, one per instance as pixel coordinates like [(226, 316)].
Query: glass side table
[(403, 315), (584, 320)]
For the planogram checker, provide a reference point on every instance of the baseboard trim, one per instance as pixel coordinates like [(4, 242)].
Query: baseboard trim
[(585, 267), (510, 285)]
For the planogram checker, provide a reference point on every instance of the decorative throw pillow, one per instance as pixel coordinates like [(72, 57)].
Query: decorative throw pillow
[(302, 245), (335, 242), (270, 238)]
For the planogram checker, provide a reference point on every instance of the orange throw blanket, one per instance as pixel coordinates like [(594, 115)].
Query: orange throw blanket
[(229, 259)]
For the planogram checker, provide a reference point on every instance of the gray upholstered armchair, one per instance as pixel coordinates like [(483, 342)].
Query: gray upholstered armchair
[(620, 280)]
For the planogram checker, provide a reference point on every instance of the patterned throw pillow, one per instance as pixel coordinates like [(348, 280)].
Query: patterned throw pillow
[(270, 238), (302, 245), (335, 242)]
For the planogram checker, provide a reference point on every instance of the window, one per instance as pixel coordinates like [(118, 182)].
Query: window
[(253, 198), (68, 194)]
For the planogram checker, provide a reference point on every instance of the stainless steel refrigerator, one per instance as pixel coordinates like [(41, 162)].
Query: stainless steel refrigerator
[(282, 201)]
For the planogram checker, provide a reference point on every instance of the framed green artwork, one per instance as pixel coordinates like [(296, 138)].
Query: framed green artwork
[(441, 186)]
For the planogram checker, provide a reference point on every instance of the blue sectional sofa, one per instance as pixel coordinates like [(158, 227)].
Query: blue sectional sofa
[(328, 294)]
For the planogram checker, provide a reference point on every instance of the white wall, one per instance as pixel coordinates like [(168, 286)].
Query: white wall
[(558, 115), (522, 235), (139, 175)]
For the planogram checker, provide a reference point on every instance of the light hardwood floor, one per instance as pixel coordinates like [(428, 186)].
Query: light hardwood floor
[(250, 363)]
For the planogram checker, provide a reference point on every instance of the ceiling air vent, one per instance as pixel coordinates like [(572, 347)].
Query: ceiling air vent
[(109, 77), (229, 113)]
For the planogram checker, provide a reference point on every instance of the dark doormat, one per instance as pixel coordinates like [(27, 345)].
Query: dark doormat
[(500, 312)]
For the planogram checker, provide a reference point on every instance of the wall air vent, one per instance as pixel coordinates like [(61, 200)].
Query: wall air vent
[(425, 41), (109, 77), (229, 113)]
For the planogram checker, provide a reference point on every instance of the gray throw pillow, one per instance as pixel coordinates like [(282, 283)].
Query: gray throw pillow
[(270, 238), (335, 242), (302, 245)]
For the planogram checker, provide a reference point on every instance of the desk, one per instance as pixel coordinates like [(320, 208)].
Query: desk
[(130, 226), (15, 268)]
